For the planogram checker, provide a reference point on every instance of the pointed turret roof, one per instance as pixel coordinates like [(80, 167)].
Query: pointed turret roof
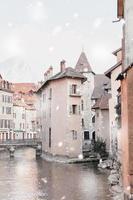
[(83, 65)]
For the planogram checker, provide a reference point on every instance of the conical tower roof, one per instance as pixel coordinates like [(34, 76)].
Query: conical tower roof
[(83, 65)]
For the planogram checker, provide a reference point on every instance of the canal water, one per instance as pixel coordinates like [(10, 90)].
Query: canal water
[(25, 178)]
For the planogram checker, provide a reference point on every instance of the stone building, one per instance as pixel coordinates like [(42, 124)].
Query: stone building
[(83, 66), (92, 90), (60, 112), (6, 110)]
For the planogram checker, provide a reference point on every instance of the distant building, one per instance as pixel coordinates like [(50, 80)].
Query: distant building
[(6, 110), (60, 112), (24, 110), (24, 118)]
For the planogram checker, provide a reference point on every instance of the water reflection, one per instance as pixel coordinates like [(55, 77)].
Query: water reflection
[(25, 178)]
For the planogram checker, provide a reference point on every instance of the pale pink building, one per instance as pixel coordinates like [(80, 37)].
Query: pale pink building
[(59, 104)]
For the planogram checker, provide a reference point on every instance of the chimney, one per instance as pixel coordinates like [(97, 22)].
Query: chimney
[(62, 65)]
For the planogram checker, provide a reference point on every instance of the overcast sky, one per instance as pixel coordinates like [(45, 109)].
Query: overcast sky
[(35, 34)]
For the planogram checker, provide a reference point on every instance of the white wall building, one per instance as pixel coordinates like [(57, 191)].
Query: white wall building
[(24, 121), (6, 110)]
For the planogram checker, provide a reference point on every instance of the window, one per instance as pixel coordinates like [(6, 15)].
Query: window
[(3, 110), (23, 116), (49, 137), (3, 98), (74, 109), (20, 126), (83, 123), (50, 93), (74, 89), (5, 123), (74, 135), (14, 115), (82, 105), (93, 119), (1, 123), (86, 135), (8, 110)]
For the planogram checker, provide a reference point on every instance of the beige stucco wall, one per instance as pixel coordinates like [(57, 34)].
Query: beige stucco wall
[(55, 114), (102, 126)]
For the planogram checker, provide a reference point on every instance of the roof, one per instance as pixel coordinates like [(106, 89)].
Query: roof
[(23, 87), (22, 103), (25, 91), (103, 102), (121, 75), (101, 83), (108, 72), (83, 65), (67, 73), (116, 51)]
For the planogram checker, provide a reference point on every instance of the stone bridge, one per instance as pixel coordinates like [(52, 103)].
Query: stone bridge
[(11, 145)]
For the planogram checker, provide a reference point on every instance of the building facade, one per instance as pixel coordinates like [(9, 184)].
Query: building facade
[(125, 10), (24, 110), (60, 114), (114, 122), (24, 121), (92, 91), (101, 122), (83, 66), (6, 110)]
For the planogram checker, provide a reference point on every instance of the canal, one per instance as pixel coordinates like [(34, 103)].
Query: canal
[(25, 178)]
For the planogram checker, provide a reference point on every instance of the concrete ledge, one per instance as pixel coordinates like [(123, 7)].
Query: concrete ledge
[(65, 159)]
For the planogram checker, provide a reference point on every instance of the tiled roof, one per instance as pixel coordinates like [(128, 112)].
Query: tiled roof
[(24, 91), (67, 73), (101, 83), (103, 102), (83, 65), (23, 87)]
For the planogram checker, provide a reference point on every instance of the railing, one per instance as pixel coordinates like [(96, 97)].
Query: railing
[(20, 142)]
